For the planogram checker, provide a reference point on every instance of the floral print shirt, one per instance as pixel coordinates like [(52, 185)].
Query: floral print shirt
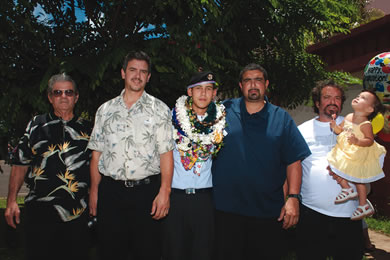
[(56, 152), (131, 140)]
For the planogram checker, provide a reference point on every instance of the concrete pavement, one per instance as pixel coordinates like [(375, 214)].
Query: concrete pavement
[(382, 244)]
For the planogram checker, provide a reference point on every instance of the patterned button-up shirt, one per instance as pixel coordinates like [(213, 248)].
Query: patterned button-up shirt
[(56, 152), (131, 140)]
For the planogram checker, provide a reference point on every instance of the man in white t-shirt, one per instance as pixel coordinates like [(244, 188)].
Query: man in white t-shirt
[(325, 228)]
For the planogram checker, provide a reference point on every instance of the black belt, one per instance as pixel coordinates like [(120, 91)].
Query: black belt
[(191, 190), (132, 183)]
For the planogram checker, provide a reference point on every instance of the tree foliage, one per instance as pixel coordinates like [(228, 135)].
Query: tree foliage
[(88, 39)]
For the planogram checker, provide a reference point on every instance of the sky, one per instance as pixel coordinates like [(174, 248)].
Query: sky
[(42, 16), (80, 15)]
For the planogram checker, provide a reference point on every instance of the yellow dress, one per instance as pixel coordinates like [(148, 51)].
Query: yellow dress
[(356, 163)]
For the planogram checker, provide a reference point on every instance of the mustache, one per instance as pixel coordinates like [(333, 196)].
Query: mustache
[(332, 105)]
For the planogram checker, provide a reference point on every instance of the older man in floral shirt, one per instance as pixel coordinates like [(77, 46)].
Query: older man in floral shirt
[(53, 158)]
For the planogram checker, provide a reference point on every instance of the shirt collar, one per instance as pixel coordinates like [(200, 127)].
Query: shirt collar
[(262, 113), (53, 116), (142, 99)]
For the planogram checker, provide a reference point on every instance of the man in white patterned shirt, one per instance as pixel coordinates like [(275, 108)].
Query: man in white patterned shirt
[(132, 143)]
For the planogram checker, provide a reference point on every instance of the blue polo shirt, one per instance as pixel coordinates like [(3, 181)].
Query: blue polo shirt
[(249, 171)]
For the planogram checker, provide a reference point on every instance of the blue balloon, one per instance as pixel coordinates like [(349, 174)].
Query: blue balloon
[(379, 87)]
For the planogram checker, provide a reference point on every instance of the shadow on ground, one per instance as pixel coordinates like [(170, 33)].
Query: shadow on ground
[(378, 254)]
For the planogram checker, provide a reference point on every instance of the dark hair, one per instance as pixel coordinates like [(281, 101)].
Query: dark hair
[(137, 55), (60, 78), (253, 66), (317, 91), (378, 106)]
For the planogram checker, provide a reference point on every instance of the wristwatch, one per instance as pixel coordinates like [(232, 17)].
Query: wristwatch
[(297, 196)]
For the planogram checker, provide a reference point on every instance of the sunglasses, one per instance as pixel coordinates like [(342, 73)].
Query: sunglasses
[(58, 93)]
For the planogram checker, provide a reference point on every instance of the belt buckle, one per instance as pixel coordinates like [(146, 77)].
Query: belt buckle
[(190, 191), (129, 184)]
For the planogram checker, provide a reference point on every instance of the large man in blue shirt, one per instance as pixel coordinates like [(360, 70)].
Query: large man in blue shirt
[(262, 148)]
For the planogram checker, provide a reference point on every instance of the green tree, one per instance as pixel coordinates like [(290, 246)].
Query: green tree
[(43, 37)]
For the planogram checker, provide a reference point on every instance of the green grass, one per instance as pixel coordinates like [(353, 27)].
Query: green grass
[(379, 223), (3, 202)]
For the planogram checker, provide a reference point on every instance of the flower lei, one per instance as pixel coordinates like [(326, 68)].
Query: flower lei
[(197, 140)]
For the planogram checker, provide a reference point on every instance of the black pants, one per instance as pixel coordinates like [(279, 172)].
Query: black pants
[(320, 236), (126, 230), (188, 230), (47, 237), (242, 237)]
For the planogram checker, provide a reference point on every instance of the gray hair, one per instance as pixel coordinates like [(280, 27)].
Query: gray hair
[(59, 78)]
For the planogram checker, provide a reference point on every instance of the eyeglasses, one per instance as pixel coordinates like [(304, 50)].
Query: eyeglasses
[(58, 93)]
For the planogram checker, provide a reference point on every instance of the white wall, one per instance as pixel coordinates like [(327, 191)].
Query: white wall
[(384, 5)]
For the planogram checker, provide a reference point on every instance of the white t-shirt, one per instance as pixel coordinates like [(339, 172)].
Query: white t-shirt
[(319, 189)]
